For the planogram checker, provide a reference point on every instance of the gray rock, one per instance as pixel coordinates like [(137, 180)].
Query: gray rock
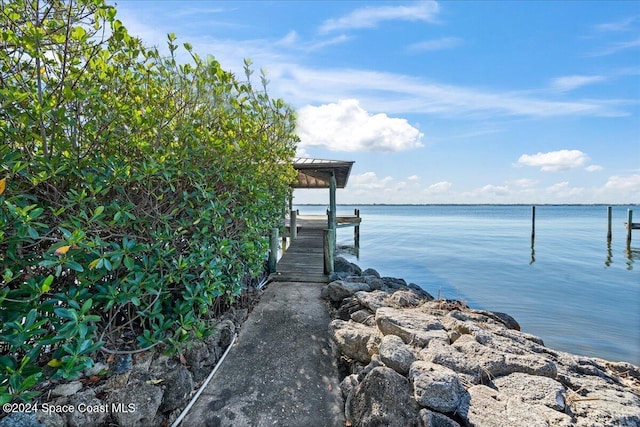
[(434, 419), (396, 354), (341, 265), (383, 398), (436, 387), (371, 272), (414, 327), (67, 389), (373, 300), (348, 384), (484, 406), (50, 419), (352, 339), (393, 283), (364, 316), (96, 412), (21, 419), (533, 389), (338, 290), (508, 321), (96, 369), (178, 386), (495, 363), (405, 298), (145, 399)]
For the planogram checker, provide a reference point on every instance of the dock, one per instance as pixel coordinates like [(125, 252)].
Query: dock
[(282, 371)]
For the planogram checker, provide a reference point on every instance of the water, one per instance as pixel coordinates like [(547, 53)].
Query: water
[(571, 289)]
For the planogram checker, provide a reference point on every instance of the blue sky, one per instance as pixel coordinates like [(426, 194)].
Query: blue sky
[(440, 102)]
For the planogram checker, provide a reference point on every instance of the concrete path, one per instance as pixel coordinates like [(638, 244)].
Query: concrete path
[(281, 371)]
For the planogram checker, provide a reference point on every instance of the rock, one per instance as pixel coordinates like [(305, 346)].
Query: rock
[(197, 357), (508, 321), (341, 265), (436, 387), (373, 300), (495, 363), (533, 389), (396, 354), (123, 364), (178, 386), (371, 272), (348, 306), (435, 419), (50, 419), (348, 384), (405, 298), (414, 327), (383, 399), (484, 406), (420, 292), (392, 283), (338, 290), (67, 389), (21, 419), (96, 369), (364, 316), (352, 339), (145, 400), (95, 412)]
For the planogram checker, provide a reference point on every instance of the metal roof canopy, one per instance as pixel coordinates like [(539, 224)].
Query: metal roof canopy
[(316, 173)]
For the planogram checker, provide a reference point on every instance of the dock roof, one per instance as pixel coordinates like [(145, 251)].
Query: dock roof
[(316, 173)]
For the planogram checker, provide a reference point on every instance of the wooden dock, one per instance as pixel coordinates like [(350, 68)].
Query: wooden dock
[(303, 260)]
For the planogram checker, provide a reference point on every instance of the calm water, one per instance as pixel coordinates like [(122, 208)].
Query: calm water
[(572, 290)]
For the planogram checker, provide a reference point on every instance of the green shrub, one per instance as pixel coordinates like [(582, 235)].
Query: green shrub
[(135, 191)]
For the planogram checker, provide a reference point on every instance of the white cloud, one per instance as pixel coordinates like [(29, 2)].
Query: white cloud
[(370, 17), (439, 187), (568, 83), (554, 161), (436, 44), (593, 168), (563, 191), (617, 47), (622, 25), (369, 181), (345, 126), (629, 184), (525, 183), (400, 94)]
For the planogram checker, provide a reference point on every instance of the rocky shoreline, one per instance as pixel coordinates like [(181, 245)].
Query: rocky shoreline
[(411, 360)]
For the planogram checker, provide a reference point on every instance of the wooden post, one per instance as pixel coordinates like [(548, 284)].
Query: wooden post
[(533, 224), (332, 201), (356, 230), (293, 226), (273, 251), (629, 227), (329, 244), (609, 235)]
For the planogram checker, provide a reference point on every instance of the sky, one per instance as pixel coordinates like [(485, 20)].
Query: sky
[(526, 102)]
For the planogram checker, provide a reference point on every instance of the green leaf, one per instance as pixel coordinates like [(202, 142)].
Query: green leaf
[(46, 284), (73, 265)]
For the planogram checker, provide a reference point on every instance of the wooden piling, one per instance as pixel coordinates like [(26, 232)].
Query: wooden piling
[(273, 251), (609, 216), (533, 224), (329, 246), (629, 227), (356, 230), (293, 226)]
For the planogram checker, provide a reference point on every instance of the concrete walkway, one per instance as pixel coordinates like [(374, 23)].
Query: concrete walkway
[(281, 371)]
